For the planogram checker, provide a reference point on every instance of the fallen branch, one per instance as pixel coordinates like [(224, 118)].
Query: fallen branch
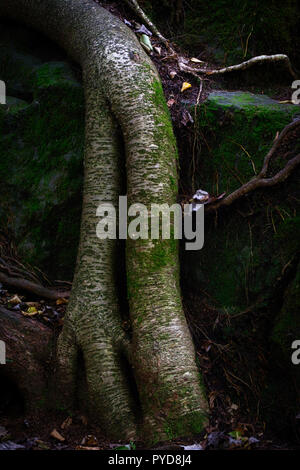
[(133, 4), (37, 289), (261, 59), (260, 181)]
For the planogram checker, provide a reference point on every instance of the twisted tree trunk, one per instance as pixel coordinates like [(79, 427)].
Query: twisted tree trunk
[(124, 103)]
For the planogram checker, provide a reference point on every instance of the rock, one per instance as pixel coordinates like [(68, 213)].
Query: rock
[(41, 151), (239, 129)]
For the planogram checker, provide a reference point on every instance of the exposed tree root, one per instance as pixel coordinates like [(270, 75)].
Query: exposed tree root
[(260, 181), (261, 59), (34, 288)]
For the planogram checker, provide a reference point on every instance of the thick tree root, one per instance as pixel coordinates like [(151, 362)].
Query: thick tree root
[(125, 110)]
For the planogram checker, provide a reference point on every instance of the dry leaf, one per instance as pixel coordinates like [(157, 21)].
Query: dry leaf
[(30, 312), (185, 86), (86, 448), (196, 61), (15, 300), (89, 441), (61, 301), (57, 435), (158, 50), (146, 43)]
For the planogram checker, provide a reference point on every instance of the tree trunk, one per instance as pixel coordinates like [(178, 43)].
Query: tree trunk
[(124, 100)]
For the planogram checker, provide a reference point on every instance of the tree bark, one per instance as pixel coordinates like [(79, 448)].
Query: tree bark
[(123, 92)]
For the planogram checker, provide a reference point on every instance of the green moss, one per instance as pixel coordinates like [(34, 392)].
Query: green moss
[(41, 168), (186, 425), (240, 128)]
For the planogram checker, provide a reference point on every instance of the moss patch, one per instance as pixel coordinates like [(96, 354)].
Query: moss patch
[(41, 153)]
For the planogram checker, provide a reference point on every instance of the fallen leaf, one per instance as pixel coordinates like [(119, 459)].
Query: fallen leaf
[(201, 195), (185, 86), (86, 448), (42, 444), (197, 61), (9, 445), (158, 50), (127, 23), (61, 301), (193, 447), (15, 300), (146, 43), (170, 102), (143, 30), (32, 311), (57, 435), (89, 441)]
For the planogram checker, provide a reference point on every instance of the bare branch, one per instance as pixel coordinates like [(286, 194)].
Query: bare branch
[(262, 59)]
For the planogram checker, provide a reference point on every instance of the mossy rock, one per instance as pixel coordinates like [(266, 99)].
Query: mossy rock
[(242, 257), (41, 154)]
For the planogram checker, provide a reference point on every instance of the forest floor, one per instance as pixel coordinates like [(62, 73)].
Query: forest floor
[(232, 425)]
